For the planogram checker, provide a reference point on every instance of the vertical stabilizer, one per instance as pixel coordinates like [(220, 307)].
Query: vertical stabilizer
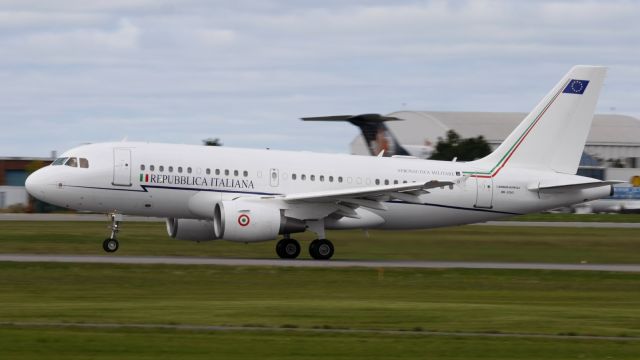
[(378, 137), (553, 135)]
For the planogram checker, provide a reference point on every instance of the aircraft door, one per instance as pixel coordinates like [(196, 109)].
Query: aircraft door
[(121, 167), (484, 194), (274, 177)]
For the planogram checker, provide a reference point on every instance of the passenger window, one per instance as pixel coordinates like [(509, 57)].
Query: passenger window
[(245, 173), (226, 172), (395, 182), (293, 176), (208, 171), (59, 161), (303, 177), (386, 182), (84, 163), (151, 167), (161, 168), (313, 178), (377, 181), (235, 173), (321, 177), (170, 169), (142, 167), (180, 169), (189, 170), (339, 179), (73, 162), (330, 178)]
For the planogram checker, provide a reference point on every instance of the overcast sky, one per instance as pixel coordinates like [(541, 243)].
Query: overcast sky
[(77, 71)]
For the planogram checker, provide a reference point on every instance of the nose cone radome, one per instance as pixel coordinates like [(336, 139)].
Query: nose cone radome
[(35, 184)]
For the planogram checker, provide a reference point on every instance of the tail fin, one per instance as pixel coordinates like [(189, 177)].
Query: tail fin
[(553, 135), (374, 131)]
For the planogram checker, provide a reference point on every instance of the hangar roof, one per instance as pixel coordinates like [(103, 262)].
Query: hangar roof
[(496, 126)]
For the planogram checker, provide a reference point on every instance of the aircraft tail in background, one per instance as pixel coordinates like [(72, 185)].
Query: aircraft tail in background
[(374, 131)]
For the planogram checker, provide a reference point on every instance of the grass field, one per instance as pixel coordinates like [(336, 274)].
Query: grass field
[(465, 243), (152, 344), (483, 302), (273, 312)]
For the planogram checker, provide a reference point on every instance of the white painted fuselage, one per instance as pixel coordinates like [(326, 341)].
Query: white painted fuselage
[(218, 173)]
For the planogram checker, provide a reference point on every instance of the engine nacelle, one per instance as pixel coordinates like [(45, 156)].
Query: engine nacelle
[(247, 221), (190, 229)]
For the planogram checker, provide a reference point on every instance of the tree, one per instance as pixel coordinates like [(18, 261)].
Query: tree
[(462, 149), (212, 142)]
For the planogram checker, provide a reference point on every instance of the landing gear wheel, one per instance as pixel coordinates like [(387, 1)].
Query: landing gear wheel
[(288, 248), (321, 249), (110, 245)]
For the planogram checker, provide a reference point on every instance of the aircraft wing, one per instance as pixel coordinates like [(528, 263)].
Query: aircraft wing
[(370, 197)]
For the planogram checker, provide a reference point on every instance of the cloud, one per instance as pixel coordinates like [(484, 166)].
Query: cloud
[(124, 36), (174, 70)]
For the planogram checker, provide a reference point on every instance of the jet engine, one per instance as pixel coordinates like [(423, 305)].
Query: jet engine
[(190, 229), (247, 221)]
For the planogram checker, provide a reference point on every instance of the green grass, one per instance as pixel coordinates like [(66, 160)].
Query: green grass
[(614, 218), (465, 243), (69, 344), (488, 301)]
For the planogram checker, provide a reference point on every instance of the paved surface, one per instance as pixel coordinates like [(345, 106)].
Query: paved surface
[(101, 217), (111, 259), (578, 224), (210, 328)]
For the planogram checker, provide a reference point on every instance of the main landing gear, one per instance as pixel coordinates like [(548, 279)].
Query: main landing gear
[(288, 248), (111, 243), (319, 249)]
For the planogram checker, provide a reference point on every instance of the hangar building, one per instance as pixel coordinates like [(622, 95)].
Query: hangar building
[(13, 173), (612, 151)]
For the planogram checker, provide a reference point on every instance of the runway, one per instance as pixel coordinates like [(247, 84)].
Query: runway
[(163, 260), (103, 218)]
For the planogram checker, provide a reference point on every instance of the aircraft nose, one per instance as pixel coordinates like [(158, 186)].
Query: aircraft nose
[(35, 184)]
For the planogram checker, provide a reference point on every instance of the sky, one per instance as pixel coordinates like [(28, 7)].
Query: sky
[(80, 71)]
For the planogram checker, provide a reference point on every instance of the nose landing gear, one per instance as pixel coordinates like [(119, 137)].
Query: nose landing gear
[(111, 243)]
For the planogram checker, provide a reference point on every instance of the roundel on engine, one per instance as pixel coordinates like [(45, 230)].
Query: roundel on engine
[(246, 221)]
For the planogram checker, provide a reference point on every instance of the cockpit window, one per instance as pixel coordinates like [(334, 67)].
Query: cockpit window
[(73, 162), (84, 163), (59, 161)]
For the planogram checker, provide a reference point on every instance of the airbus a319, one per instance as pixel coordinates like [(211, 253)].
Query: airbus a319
[(249, 195)]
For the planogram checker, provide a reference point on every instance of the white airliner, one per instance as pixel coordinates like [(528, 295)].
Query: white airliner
[(246, 195)]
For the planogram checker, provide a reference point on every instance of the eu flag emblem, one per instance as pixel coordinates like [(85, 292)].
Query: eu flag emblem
[(576, 87)]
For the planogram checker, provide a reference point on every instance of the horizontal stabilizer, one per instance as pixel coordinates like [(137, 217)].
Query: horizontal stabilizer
[(592, 183), (353, 118)]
